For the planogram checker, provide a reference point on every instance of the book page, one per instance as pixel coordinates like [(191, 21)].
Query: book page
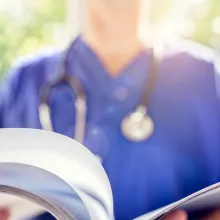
[(64, 158), (204, 199), (39, 187), (20, 208)]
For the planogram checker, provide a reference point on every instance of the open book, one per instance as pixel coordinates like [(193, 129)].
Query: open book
[(45, 171)]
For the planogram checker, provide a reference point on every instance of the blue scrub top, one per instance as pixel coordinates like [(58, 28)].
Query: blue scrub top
[(181, 157)]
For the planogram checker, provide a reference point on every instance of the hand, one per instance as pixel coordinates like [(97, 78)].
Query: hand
[(177, 215), (4, 214), (181, 215), (213, 216)]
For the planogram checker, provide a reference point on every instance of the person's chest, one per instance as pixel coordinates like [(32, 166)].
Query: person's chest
[(180, 157)]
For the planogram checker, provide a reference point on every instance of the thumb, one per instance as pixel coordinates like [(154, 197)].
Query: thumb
[(4, 214), (180, 215)]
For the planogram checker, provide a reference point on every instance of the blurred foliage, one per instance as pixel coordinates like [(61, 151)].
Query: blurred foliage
[(19, 37), (204, 16)]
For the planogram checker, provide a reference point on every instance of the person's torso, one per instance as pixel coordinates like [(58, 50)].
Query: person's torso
[(180, 157)]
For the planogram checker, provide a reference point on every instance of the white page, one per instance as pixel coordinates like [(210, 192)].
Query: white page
[(204, 199), (42, 188), (64, 158), (22, 208), (151, 215)]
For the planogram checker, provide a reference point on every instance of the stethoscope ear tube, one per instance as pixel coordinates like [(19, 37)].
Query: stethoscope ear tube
[(44, 117), (80, 105), (136, 126), (81, 112), (80, 102)]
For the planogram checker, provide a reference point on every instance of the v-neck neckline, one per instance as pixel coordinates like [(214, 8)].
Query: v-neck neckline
[(95, 64), (85, 64)]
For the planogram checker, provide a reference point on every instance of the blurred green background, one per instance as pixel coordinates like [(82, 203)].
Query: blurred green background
[(26, 26), (25, 30)]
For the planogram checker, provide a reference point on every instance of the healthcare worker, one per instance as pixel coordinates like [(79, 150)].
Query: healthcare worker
[(172, 153)]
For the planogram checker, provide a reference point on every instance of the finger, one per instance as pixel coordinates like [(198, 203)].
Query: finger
[(213, 216), (4, 214), (180, 215)]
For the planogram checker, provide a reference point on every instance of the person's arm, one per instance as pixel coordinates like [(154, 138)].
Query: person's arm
[(8, 94), (215, 215), (5, 99)]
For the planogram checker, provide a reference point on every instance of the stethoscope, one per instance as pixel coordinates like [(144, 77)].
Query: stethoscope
[(137, 126)]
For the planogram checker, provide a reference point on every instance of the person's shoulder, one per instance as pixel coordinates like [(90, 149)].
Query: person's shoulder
[(33, 67), (190, 53), (30, 71), (43, 60), (190, 67)]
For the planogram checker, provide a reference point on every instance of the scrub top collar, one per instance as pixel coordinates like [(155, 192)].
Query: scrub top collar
[(132, 78)]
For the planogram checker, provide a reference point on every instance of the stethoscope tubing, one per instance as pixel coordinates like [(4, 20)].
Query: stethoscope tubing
[(81, 99)]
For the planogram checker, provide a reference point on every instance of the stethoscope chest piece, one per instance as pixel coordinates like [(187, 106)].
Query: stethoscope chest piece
[(137, 126)]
